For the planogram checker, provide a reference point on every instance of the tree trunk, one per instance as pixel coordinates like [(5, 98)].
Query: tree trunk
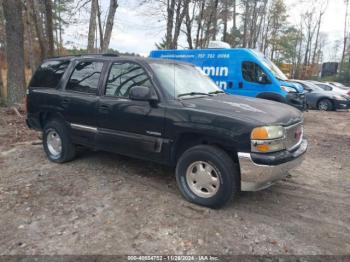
[(234, 15), (245, 25), (345, 33), (100, 29), (179, 19), (226, 10), (215, 22), (113, 5), (92, 26), (14, 51), (34, 6), (189, 23), (49, 27), (170, 23), (200, 23)]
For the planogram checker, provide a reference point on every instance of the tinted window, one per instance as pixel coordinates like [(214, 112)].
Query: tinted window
[(85, 77), (124, 76), (252, 72), (49, 74)]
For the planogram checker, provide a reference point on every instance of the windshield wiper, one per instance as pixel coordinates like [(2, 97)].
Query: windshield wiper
[(194, 94), (216, 92)]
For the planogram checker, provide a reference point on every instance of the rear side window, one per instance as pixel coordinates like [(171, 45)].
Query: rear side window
[(49, 74), (252, 72), (85, 77)]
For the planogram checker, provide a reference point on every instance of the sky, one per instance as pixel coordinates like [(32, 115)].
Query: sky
[(137, 28)]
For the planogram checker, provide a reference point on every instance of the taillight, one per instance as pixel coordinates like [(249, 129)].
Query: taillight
[(349, 93)]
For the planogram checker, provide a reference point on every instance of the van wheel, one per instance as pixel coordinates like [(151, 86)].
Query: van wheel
[(207, 176), (325, 105), (57, 143)]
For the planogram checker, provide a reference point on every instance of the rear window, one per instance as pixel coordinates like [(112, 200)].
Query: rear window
[(49, 74)]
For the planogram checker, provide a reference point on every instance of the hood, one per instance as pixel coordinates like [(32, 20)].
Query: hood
[(295, 85), (255, 111)]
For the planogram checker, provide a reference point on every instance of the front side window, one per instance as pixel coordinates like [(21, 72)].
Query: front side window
[(49, 74), (85, 77), (252, 72), (123, 76)]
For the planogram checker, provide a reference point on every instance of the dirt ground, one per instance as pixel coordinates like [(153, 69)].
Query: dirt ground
[(102, 203)]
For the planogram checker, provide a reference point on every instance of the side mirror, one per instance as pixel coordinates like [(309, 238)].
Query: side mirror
[(141, 93)]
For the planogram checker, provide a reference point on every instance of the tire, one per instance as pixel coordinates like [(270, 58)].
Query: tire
[(58, 151), (197, 161), (325, 105)]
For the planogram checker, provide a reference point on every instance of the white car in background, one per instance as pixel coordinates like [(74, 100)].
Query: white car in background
[(340, 85), (329, 87)]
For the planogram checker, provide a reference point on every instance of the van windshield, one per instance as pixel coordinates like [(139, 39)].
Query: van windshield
[(273, 68), (181, 80)]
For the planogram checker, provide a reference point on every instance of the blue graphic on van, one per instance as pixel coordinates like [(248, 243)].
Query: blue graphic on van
[(241, 71)]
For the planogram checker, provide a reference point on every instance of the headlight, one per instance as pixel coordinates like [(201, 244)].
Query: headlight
[(267, 132), (267, 139), (288, 89)]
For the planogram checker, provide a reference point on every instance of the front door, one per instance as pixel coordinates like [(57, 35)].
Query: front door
[(126, 126), (253, 80)]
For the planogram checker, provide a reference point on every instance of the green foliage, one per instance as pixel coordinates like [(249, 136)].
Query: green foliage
[(161, 45), (287, 45)]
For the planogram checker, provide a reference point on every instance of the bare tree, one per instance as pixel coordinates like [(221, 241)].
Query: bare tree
[(92, 26), (14, 50), (345, 31), (113, 5), (49, 27)]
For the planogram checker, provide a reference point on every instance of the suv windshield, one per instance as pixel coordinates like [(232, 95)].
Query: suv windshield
[(181, 80)]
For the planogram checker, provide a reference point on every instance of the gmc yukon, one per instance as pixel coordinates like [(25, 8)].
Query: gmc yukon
[(167, 112)]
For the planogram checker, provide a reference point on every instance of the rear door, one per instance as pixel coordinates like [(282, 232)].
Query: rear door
[(80, 99)]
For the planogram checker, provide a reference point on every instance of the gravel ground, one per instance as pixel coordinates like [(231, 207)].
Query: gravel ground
[(102, 203)]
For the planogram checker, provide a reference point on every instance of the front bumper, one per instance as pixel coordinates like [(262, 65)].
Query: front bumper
[(341, 104), (256, 177)]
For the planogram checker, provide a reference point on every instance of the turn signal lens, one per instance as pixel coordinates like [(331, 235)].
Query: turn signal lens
[(263, 148), (259, 133)]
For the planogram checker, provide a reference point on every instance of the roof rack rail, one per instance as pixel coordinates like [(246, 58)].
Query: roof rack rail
[(79, 55), (110, 54)]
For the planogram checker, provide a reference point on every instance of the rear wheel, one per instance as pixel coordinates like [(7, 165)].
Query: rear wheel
[(57, 143), (325, 105), (207, 176)]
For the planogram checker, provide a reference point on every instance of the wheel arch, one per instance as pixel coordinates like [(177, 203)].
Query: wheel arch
[(187, 140), (271, 96)]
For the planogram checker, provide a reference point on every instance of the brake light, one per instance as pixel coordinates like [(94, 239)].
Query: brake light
[(348, 93)]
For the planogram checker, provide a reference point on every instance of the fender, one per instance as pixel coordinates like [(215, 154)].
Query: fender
[(272, 96)]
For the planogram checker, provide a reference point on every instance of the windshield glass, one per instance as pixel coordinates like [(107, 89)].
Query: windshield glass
[(273, 68), (181, 80)]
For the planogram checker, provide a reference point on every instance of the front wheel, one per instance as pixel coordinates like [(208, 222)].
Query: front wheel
[(207, 176), (325, 105)]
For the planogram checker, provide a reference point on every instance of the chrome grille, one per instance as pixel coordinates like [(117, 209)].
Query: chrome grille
[(294, 135)]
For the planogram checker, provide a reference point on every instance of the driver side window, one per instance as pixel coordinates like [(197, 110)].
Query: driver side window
[(252, 72), (123, 76)]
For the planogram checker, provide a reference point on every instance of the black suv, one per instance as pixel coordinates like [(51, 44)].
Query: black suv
[(167, 112)]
